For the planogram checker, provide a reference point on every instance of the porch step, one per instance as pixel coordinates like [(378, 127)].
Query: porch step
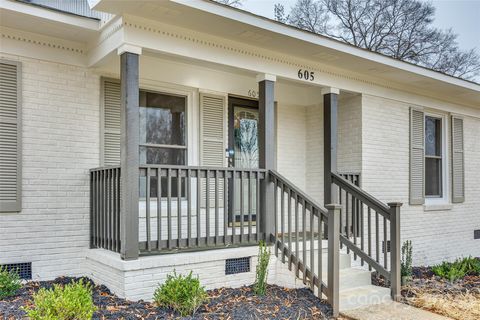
[(363, 296)]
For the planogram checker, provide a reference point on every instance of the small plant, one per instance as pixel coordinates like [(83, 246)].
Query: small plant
[(470, 265), (181, 293), (9, 282), (74, 301), (457, 269), (260, 285), (406, 265)]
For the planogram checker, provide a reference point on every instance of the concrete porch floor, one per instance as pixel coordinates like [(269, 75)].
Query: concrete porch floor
[(391, 311)]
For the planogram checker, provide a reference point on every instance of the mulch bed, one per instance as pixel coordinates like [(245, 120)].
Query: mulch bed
[(224, 303)]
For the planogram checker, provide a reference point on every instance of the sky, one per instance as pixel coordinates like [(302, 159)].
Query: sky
[(463, 16)]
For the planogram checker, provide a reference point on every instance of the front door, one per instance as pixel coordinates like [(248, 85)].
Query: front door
[(244, 154)]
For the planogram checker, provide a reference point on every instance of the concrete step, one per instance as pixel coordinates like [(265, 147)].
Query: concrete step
[(363, 296)]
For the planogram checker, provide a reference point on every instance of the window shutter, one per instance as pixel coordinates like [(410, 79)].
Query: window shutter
[(458, 174), (111, 123), (212, 138), (10, 137), (417, 156)]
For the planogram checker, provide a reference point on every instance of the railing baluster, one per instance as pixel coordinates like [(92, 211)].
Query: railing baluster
[(275, 216), (169, 207), (369, 231), (257, 203), (362, 242), (385, 247), (118, 209), (354, 223), (207, 206), (250, 206), (233, 214), (320, 253), (179, 207), (377, 238), (312, 251), (159, 208), (95, 208), (147, 209), (304, 240), (297, 238), (189, 208), (199, 198), (242, 207), (289, 229), (103, 208), (217, 186), (225, 207), (282, 221), (347, 218)]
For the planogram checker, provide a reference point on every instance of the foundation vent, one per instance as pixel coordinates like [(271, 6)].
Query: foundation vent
[(476, 234), (237, 265), (24, 270), (388, 246)]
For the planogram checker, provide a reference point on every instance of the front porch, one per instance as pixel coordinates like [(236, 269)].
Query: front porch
[(178, 183)]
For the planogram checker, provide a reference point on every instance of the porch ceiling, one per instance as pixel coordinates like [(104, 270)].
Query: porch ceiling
[(225, 22)]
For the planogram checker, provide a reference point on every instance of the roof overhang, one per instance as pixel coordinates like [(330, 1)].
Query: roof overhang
[(229, 23)]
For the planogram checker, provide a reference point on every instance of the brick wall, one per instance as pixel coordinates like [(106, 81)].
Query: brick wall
[(60, 114), (350, 134), (436, 235)]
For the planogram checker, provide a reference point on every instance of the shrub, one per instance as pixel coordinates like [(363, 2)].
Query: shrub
[(260, 285), (406, 266), (74, 301), (457, 269), (9, 282), (181, 293)]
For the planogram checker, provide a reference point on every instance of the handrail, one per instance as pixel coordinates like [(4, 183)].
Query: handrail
[(361, 195), (290, 185)]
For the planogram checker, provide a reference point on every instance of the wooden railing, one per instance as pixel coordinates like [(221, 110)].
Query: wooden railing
[(298, 238), (105, 208), (370, 229), (180, 208)]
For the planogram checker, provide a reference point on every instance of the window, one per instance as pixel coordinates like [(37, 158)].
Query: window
[(162, 136), (433, 157)]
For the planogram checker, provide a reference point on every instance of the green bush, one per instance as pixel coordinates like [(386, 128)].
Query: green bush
[(457, 269), (9, 282), (260, 285), (72, 302), (406, 266), (181, 293)]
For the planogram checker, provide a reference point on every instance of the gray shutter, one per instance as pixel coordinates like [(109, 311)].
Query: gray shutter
[(458, 174), (111, 123), (417, 156), (212, 138), (10, 137)]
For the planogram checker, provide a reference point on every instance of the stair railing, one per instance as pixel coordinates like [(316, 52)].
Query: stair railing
[(370, 229), (298, 237)]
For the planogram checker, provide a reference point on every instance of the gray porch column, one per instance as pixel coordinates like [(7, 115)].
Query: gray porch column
[(330, 96), (129, 151), (266, 145)]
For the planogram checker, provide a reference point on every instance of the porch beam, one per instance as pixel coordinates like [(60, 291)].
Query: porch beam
[(330, 115), (266, 144), (129, 152)]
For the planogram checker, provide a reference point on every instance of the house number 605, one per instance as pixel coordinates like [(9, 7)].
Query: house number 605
[(305, 74)]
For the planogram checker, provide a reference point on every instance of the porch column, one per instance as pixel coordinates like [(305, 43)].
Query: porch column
[(266, 146), (129, 150), (330, 96)]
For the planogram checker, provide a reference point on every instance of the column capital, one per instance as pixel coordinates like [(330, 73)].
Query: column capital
[(327, 90), (129, 48), (265, 76)]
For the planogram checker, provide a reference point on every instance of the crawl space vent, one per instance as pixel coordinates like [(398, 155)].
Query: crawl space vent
[(388, 246), (237, 265), (24, 270), (476, 234)]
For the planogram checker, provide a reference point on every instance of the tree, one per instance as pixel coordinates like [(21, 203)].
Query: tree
[(401, 29), (232, 3)]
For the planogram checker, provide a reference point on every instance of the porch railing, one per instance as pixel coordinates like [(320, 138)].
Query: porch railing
[(180, 207), (370, 230)]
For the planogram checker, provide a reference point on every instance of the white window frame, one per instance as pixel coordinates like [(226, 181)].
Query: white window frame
[(445, 199)]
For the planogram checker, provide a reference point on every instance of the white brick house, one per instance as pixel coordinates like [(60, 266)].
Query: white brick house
[(205, 73)]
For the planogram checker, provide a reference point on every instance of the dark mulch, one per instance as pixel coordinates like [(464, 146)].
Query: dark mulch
[(225, 303)]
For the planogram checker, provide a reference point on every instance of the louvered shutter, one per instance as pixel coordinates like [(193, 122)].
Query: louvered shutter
[(417, 156), (458, 174), (10, 138), (111, 123), (212, 137)]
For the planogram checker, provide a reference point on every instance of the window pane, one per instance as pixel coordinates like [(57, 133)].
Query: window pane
[(162, 118), (433, 177), (153, 155), (433, 136)]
